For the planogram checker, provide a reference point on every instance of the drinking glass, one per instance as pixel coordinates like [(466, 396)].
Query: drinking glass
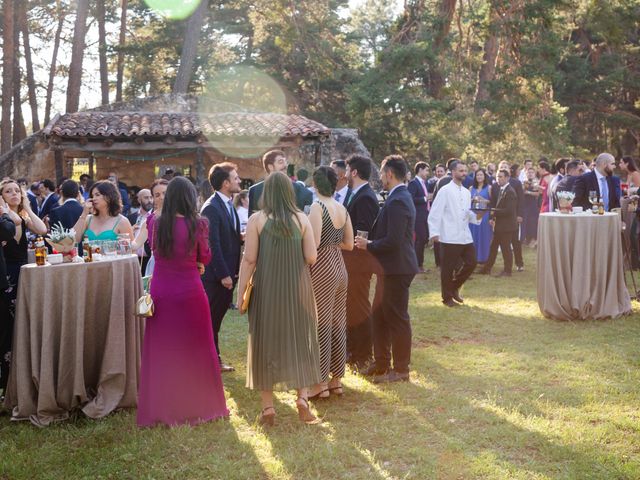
[(363, 234), (593, 196)]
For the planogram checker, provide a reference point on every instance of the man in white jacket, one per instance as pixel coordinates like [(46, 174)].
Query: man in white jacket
[(449, 220)]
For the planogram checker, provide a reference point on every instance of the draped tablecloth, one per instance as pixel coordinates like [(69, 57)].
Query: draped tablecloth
[(77, 341), (580, 274)]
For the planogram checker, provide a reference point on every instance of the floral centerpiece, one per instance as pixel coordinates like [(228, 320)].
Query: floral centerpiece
[(63, 241), (565, 201)]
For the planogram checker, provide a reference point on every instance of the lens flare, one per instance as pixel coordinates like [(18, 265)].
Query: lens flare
[(251, 99), (173, 9)]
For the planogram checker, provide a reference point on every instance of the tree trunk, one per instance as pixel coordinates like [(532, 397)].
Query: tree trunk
[(8, 65), (121, 41), (436, 81), (77, 54), (31, 83), (488, 69), (102, 52), (190, 48), (52, 70), (19, 130)]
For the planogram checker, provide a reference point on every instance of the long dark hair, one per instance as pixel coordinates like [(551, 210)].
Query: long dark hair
[(111, 194), (475, 179), (181, 198), (278, 203), (631, 163)]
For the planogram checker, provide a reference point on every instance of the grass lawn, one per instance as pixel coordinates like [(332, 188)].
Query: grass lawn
[(497, 391)]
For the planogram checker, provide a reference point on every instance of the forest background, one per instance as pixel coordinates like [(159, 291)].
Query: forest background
[(429, 79)]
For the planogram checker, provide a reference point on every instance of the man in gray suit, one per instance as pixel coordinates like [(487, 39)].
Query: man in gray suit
[(276, 161)]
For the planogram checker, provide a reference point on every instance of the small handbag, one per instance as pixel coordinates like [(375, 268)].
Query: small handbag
[(144, 305), (246, 297)]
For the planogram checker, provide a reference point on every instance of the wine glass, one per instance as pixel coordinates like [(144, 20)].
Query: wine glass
[(593, 197)]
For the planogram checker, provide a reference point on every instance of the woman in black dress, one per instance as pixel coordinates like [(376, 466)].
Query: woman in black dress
[(18, 209)]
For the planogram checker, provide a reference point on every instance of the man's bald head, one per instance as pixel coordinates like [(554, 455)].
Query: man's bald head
[(145, 199), (605, 163)]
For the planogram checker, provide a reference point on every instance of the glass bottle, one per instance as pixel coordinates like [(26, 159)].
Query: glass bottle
[(41, 252), (86, 250)]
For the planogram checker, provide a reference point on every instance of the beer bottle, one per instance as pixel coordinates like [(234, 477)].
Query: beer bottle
[(41, 252), (86, 250)]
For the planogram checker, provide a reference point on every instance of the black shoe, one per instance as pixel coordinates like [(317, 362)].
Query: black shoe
[(391, 377), (503, 274), (519, 269), (450, 303), (374, 370), (456, 296)]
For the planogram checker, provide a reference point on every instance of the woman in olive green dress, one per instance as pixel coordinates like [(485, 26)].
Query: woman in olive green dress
[(283, 350)]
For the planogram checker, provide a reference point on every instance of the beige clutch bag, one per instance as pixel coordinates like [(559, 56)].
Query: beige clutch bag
[(144, 305), (246, 297)]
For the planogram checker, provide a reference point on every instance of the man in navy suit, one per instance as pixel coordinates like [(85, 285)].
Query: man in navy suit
[(418, 190), (600, 180), (221, 274), (50, 198), (568, 182), (68, 213), (362, 204), (276, 161), (392, 247)]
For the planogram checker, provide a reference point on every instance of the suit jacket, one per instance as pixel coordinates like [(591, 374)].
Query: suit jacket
[(421, 204), (588, 182), (567, 184), (224, 241), (392, 239), (506, 211), (363, 209), (48, 205), (7, 232), (33, 201), (303, 196), (518, 190), (67, 214), (441, 183)]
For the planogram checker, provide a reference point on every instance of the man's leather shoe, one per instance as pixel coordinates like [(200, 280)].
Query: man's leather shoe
[(456, 296), (503, 274), (226, 368), (450, 303), (374, 370), (391, 377)]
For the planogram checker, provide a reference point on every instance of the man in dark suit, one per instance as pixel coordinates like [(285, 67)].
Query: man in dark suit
[(601, 181), (221, 274), (516, 245), (418, 190), (33, 193), (568, 182), (504, 222), (392, 247), (363, 208), (276, 161), (49, 196), (68, 213)]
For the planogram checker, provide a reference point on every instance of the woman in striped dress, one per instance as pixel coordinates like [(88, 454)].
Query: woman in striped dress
[(332, 231)]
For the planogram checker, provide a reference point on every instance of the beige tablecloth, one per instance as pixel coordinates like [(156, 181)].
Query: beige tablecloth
[(580, 274), (77, 341)]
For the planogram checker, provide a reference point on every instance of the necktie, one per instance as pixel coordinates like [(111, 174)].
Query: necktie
[(424, 187), (233, 219), (347, 198), (604, 193), (337, 197)]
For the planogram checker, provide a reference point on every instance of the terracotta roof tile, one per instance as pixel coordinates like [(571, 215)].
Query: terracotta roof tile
[(132, 124)]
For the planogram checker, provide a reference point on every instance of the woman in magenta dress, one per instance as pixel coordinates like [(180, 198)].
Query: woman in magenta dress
[(180, 380)]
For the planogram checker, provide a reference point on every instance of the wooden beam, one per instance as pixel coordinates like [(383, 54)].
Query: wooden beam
[(59, 165)]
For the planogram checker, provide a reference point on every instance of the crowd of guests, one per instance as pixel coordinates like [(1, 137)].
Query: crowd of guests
[(512, 197), (305, 252)]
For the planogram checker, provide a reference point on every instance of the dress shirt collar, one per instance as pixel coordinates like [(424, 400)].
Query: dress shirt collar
[(394, 189), (223, 197), (357, 189), (599, 176)]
